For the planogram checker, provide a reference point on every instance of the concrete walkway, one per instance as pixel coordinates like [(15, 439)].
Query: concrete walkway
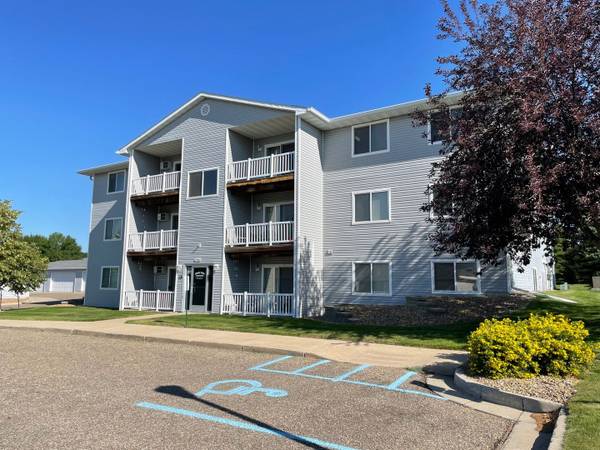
[(440, 361)]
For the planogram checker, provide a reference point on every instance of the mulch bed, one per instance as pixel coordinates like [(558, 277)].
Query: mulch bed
[(428, 310)]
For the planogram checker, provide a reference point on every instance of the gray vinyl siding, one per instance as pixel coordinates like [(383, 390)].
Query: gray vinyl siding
[(404, 170), (101, 252), (543, 274), (204, 147), (309, 220)]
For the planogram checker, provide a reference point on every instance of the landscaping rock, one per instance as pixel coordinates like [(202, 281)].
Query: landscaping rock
[(548, 388), (428, 310)]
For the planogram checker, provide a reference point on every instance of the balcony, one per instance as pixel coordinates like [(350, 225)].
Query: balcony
[(162, 186), (259, 237), (249, 304), (265, 171), (149, 300), (152, 242)]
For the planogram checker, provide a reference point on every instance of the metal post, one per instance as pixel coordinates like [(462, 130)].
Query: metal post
[(140, 299), (245, 304), (157, 298)]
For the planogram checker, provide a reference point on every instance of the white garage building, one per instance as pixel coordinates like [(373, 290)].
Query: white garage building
[(65, 276)]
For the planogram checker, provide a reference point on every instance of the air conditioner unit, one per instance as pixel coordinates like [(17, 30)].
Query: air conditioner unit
[(162, 216), (165, 165), (159, 269)]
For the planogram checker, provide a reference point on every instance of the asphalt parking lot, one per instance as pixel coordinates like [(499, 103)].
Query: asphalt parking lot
[(73, 391)]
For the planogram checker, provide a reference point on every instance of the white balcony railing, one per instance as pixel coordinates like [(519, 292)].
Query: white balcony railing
[(249, 304), (166, 181), (267, 166), (152, 240), (269, 233), (153, 300)]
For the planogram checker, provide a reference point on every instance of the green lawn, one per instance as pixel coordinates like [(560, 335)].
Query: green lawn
[(70, 313), (447, 337), (583, 421)]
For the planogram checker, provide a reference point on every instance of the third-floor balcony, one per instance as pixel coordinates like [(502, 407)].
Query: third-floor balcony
[(165, 184), (265, 170)]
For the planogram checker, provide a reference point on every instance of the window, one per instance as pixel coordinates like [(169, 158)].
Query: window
[(109, 278), (278, 212), (446, 209), (371, 138), (116, 182), (371, 278), (277, 149), (277, 279), (113, 229), (440, 123), (203, 183), (371, 206), (177, 166), (455, 276)]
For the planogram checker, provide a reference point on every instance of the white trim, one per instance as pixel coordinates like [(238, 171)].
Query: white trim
[(118, 276), (274, 205), (432, 214), (187, 193), (455, 260), (178, 254), (124, 172), (277, 280), (106, 219), (369, 124), (297, 222), (371, 192), (373, 294)]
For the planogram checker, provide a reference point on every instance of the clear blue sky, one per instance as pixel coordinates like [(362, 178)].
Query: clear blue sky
[(80, 79)]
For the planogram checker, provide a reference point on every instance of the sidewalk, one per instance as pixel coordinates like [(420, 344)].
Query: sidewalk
[(351, 352)]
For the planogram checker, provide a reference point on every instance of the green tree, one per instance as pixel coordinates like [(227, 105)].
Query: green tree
[(57, 246), (22, 267), (576, 263)]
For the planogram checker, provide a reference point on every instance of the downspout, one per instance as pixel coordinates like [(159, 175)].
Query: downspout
[(296, 219), (124, 265)]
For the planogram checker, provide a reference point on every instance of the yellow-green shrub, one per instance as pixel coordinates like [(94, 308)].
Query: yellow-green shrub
[(540, 345)]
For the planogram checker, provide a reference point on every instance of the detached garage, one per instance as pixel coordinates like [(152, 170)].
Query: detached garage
[(65, 276)]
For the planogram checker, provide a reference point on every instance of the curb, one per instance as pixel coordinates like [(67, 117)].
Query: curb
[(558, 434), (131, 337), (482, 392)]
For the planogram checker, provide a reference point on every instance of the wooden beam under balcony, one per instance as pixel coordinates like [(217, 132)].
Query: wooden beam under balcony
[(275, 249), (279, 183), (156, 198), (144, 253)]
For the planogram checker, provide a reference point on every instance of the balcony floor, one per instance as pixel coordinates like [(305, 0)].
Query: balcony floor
[(282, 182), (154, 252), (280, 249)]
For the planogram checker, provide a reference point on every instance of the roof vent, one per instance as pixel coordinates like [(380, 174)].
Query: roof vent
[(205, 110)]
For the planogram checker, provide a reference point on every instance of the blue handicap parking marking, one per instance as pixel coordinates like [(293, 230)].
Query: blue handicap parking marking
[(241, 387), (345, 377), (243, 425)]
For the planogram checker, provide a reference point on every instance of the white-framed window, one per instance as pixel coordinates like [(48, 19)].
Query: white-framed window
[(371, 206), (449, 276), (439, 125), (372, 278), (109, 277), (279, 148), (177, 166), (113, 228), (116, 182), (371, 138), (278, 212), (203, 183), (447, 210)]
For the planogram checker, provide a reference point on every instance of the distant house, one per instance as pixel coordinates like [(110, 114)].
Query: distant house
[(65, 276)]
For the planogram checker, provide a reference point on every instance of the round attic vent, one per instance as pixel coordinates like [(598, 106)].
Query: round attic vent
[(205, 109)]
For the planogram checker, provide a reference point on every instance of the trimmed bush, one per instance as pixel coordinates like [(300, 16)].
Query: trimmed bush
[(540, 345)]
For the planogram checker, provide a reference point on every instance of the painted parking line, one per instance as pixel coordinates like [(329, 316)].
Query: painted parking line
[(344, 377), (243, 425)]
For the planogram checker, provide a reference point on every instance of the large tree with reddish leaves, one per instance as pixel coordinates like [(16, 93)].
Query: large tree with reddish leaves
[(522, 158)]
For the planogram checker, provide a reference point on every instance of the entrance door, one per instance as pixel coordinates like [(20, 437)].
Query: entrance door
[(280, 212), (278, 279), (200, 288)]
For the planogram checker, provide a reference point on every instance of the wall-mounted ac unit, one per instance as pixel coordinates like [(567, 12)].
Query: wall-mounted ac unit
[(162, 216), (165, 165)]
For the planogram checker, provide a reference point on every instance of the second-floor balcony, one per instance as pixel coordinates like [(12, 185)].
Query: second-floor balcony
[(152, 242), (265, 235), (266, 167), (166, 182)]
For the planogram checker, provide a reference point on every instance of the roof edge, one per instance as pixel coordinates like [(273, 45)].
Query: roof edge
[(104, 168)]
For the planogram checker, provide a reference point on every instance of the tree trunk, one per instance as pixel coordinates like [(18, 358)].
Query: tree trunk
[(0, 299), (18, 301)]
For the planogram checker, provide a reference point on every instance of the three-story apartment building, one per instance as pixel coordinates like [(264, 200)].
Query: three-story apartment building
[(243, 207)]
